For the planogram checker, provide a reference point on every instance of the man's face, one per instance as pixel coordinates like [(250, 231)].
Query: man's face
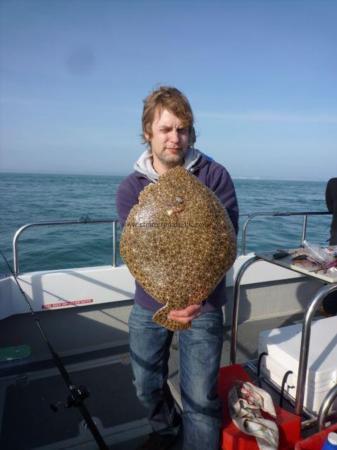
[(169, 141)]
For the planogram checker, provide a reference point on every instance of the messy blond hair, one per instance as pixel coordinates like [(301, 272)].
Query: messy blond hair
[(170, 98)]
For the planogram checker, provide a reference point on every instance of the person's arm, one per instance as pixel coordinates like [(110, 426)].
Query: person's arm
[(126, 198), (222, 186)]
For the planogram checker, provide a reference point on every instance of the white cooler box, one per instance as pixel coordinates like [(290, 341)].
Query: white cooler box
[(283, 348)]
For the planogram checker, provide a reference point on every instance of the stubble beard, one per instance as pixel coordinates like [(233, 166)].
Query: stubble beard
[(171, 161)]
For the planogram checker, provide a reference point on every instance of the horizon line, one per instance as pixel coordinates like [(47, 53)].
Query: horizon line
[(107, 174)]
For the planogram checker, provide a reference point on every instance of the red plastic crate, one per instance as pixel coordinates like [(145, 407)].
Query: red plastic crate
[(315, 442), (232, 438)]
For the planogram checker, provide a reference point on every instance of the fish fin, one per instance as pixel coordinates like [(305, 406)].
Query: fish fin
[(160, 317)]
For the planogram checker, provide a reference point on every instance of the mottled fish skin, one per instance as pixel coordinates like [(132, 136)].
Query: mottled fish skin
[(178, 242)]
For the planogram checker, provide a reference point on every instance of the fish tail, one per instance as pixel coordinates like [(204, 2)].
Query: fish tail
[(160, 317)]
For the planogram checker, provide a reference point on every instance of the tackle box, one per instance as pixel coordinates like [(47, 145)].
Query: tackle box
[(283, 348)]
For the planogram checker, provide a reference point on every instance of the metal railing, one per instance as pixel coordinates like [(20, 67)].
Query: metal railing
[(81, 221), (305, 215), (87, 220)]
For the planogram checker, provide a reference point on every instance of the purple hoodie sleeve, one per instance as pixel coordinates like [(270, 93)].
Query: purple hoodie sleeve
[(126, 198), (127, 195), (222, 185)]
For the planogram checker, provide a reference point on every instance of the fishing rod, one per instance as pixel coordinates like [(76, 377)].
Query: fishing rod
[(77, 394)]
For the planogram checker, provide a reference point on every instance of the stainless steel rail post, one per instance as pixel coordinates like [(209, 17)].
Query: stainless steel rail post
[(235, 312), (15, 247), (304, 228), (114, 239), (325, 407), (61, 222), (305, 342), (305, 214)]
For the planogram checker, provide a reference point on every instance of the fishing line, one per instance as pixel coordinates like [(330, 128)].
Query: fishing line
[(77, 394)]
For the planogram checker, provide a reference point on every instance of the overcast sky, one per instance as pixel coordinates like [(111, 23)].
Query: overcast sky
[(261, 77)]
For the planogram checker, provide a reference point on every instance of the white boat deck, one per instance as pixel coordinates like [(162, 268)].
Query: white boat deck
[(92, 341), (93, 346)]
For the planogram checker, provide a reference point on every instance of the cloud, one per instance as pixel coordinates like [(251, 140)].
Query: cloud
[(270, 116)]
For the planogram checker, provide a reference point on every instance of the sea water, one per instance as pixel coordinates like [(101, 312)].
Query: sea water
[(28, 198)]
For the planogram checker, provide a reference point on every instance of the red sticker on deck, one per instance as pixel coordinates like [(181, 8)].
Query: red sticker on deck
[(68, 303)]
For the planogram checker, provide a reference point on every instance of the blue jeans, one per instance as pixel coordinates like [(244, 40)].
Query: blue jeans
[(200, 350)]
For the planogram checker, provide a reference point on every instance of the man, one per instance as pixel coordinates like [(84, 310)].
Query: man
[(169, 133)]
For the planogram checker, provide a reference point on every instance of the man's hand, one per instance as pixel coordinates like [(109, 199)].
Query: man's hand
[(185, 315)]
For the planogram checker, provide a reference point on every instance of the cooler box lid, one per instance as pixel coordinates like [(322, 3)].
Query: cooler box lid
[(283, 346)]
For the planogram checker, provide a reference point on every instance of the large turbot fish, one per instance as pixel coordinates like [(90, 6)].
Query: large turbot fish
[(178, 242)]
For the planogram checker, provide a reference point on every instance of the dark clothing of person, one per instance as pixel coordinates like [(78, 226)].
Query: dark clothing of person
[(331, 203), (329, 305)]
